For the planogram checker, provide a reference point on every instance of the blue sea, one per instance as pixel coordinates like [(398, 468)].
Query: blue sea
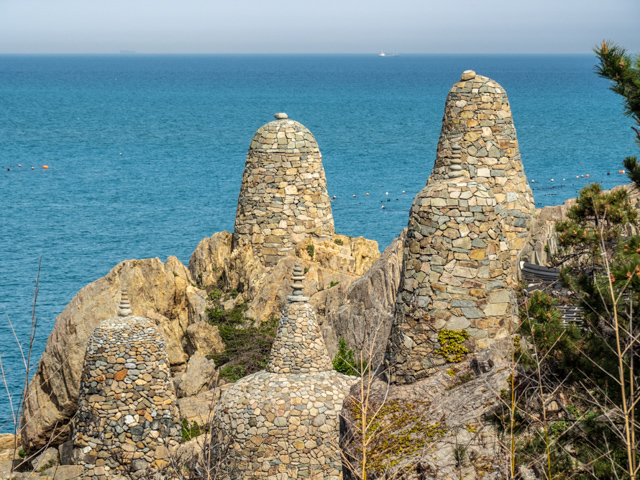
[(146, 153)]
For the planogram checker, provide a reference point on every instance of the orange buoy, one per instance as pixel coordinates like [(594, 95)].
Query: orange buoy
[(19, 164), (45, 166), (620, 171)]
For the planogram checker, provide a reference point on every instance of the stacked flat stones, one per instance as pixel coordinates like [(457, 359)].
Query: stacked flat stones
[(127, 415), (478, 140), (283, 423), (459, 267), (283, 198)]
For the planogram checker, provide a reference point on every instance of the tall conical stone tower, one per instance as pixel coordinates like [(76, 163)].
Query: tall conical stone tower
[(478, 132), (283, 198), (465, 231)]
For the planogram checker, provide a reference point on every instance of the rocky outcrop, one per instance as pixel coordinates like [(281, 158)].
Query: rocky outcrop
[(348, 304), (164, 293), (200, 376), (352, 287), (362, 313), (434, 428)]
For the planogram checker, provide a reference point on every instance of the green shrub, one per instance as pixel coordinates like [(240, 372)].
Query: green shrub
[(311, 250), (451, 347), (191, 431), (345, 362)]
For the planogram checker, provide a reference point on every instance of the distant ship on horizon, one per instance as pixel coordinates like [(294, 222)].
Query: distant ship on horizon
[(382, 54)]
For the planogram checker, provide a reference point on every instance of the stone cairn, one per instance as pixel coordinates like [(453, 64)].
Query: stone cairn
[(283, 198), (127, 416), (282, 423), (465, 230)]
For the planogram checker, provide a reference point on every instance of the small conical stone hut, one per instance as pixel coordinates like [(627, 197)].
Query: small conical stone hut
[(282, 423), (283, 197), (127, 415), (466, 229)]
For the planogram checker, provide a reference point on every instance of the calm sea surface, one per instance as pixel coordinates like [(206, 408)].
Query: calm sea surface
[(183, 125)]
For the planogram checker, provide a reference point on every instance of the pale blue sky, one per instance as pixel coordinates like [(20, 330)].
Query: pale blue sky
[(326, 26)]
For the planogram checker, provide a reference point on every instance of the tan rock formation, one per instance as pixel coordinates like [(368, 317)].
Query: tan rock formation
[(164, 294)]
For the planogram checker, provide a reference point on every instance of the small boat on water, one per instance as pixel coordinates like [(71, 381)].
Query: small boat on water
[(382, 54)]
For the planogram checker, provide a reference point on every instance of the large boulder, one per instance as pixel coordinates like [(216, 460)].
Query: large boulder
[(164, 293), (200, 376)]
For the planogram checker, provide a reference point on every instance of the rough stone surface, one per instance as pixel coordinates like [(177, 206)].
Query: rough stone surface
[(457, 276), (48, 458), (204, 338), (285, 425), (431, 418), (466, 230), (362, 312), (283, 197), (208, 259), (199, 408), (201, 374), (478, 140), (7, 441), (127, 409), (344, 260), (163, 293)]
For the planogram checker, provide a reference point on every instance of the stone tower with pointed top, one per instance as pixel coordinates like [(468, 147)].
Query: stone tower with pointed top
[(478, 141), (282, 423), (127, 413), (283, 197), (466, 229)]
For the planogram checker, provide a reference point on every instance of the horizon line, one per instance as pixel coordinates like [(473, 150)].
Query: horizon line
[(133, 53)]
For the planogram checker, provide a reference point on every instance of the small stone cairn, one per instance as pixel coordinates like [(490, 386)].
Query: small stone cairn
[(127, 416), (282, 423), (465, 231), (283, 198)]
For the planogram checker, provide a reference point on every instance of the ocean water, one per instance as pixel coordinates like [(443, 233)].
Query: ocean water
[(146, 153)]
